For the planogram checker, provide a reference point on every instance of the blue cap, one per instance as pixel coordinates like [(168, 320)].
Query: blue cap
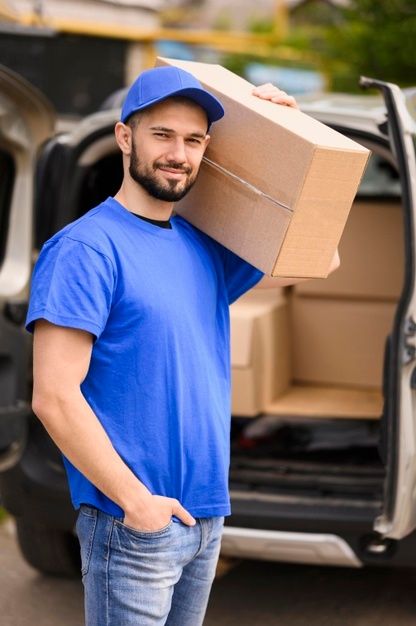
[(159, 83)]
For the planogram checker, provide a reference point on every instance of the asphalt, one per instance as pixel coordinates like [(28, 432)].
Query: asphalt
[(246, 593)]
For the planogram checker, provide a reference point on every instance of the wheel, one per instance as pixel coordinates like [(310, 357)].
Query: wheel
[(49, 550)]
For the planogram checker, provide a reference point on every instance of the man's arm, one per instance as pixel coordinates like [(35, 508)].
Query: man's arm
[(60, 363)]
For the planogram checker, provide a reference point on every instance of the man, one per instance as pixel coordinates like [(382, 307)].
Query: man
[(129, 308)]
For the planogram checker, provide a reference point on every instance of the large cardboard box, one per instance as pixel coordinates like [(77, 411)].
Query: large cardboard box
[(340, 342), (372, 255), (260, 350), (275, 185)]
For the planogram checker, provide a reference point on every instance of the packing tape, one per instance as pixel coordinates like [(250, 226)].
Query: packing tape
[(245, 183)]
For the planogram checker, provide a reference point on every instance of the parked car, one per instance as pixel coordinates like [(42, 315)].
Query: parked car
[(323, 430)]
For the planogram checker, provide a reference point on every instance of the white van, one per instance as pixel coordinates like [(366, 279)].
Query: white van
[(324, 373)]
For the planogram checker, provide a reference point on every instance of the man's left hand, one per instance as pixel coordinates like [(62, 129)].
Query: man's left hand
[(274, 94)]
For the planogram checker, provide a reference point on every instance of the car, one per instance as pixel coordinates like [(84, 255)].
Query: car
[(323, 432)]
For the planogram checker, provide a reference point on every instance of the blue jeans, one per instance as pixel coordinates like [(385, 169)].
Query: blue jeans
[(140, 578)]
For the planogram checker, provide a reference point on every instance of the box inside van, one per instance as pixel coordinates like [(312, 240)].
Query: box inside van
[(316, 349), (307, 367)]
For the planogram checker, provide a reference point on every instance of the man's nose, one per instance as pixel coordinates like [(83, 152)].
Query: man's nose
[(177, 151)]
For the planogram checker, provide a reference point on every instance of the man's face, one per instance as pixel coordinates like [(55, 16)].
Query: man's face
[(168, 143)]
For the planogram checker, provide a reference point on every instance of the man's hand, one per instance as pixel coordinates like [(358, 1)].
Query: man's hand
[(335, 263), (274, 94), (157, 514)]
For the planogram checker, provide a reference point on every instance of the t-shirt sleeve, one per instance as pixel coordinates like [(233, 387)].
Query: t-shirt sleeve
[(240, 276), (72, 286)]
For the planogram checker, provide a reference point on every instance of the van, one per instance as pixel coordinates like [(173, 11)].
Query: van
[(323, 433)]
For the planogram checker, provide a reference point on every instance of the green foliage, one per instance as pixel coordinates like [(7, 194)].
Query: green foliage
[(319, 12), (300, 41), (3, 515), (261, 26), (377, 38), (237, 63)]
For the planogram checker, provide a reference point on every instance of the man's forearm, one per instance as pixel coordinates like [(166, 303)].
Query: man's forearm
[(78, 433)]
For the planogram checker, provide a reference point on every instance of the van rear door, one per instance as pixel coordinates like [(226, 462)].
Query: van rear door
[(398, 517), (26, 120)]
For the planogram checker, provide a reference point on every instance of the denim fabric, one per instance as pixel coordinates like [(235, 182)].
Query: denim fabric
[(160, 578)]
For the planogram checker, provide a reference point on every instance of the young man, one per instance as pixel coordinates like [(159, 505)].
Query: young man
[(129, 308)]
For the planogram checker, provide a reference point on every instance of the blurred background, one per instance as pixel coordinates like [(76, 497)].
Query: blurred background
[(79, 51)]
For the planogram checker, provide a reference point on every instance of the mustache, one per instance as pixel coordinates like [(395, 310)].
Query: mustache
[(174, 166)]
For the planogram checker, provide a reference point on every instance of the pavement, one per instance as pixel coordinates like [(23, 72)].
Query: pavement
[(245, 593)]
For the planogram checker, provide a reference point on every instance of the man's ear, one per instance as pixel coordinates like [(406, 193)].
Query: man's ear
[(207, 139), (123, 137)]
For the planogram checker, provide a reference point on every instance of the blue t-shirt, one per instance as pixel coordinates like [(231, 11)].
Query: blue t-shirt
[(156, 301)]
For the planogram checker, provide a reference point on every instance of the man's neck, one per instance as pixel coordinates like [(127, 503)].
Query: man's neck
[(137, 200)]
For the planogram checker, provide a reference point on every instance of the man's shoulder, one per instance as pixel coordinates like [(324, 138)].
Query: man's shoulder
[(95, 228)]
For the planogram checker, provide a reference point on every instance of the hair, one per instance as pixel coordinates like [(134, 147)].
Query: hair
[(134, 119)]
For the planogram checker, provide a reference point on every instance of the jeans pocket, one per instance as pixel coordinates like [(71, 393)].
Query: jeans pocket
[(85, 529), (144, 533)]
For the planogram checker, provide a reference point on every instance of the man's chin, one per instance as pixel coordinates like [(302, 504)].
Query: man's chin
[(161, 188), (176, 189), (169, 194)]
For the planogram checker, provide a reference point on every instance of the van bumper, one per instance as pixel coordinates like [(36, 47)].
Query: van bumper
[(291, 547)]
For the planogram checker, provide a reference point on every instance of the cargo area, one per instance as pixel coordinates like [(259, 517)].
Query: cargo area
[(307, 366)]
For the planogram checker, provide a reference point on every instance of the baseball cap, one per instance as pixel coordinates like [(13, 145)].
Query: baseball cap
[(159, 83)]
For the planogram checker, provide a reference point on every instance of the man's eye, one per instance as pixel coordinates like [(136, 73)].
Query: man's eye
[(194, 140), (161, 135)]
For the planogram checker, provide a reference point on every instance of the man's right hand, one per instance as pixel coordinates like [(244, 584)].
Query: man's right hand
[(157, 513)]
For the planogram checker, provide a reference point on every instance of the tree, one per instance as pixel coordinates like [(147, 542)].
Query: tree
[(377, 38)]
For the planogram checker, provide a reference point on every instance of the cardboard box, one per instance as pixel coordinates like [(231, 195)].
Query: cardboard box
[(276, 186), (340, 342), (372, 255), (260, 350)]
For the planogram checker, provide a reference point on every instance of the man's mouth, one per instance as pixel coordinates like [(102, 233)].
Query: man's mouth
[(174, 172)]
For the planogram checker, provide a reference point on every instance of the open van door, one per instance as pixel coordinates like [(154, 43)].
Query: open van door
[(398, 517), (26, 120)]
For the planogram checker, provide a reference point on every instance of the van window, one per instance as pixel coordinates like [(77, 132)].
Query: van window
[(380, 179), (7, 175)]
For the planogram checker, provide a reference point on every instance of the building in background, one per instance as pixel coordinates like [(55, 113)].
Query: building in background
[(95, 12), (80, 51), (244, 14), (76, 51)]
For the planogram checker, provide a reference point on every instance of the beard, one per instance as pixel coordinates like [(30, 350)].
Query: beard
[(146, 176)]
